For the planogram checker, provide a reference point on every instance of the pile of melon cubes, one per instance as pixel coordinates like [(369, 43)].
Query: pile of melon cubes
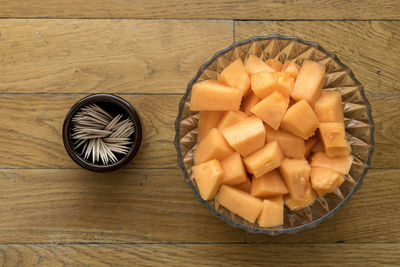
[(268, 136)]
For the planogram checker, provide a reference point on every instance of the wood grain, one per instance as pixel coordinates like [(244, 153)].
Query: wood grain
[(386, 115), (369, 48), (52, 213), (126, 56), (113, 56), (153, 206), (239, 9), (30, 130), (201, 255), (125, 206)]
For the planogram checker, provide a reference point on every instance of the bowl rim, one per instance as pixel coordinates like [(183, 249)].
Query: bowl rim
[(131, 112), (271, 231)]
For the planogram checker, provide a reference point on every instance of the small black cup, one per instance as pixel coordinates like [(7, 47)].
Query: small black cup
[(114, 105)]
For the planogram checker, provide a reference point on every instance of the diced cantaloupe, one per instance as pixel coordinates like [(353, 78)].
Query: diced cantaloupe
[(246, 186), (249, 102), (291, 68), (239, 202), (309, 82), (207, 121), (300, 120), (212, 95), (246, 136), (325, 180), (272, 212), (234, 171), (310, 142), (208, 176), (265, 83), (318, 147), (328, 107), (264, 160), (229, 118), (292, 102), (213, 146), (267, 185), (341, 165), (254, 64), (236, 76), (296, 174), (271, 109), (334, 139), (306, 200), (292, 146), (274, 63)]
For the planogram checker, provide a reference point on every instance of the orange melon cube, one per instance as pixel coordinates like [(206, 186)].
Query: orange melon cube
[(306, 200), (341, 165), (274, 63), (309, 82), (328, 107), (291, 102), (213, 146), (234, 171), (264, 160), (230, 118), (208, 177), (309, 144), (291, 68), (254, 64), (207, 121), (246, 186), (292, 146), (334, 139), (300, 120), (236, 76), (271, 213), (249, 102), (212, 95), (325, 181), (318, 147), (296, 174), (265, 83), (267, 185), (246, 136), (239, 202), (271, 109)]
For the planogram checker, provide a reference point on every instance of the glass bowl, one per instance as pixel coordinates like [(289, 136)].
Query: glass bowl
[(358, 122)]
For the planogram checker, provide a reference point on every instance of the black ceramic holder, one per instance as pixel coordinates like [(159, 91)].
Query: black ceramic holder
[(114, 105)]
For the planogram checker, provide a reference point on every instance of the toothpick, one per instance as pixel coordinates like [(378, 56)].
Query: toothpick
[(101, 135)]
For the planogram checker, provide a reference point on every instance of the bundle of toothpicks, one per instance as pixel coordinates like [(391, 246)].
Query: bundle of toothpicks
[(101, 135)]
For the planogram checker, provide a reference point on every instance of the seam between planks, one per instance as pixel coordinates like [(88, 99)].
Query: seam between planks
[(200, 243), (189, 19)]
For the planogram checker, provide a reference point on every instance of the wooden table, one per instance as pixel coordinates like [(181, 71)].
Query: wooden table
[(54, 52)]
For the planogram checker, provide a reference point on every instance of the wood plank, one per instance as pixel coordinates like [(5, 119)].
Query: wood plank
[(386, 115), (73, 205), (126, 63), (125, 206), (113, 56), (30, 130), (372, 216), (258, 9), (203, 255), (370, 49)]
